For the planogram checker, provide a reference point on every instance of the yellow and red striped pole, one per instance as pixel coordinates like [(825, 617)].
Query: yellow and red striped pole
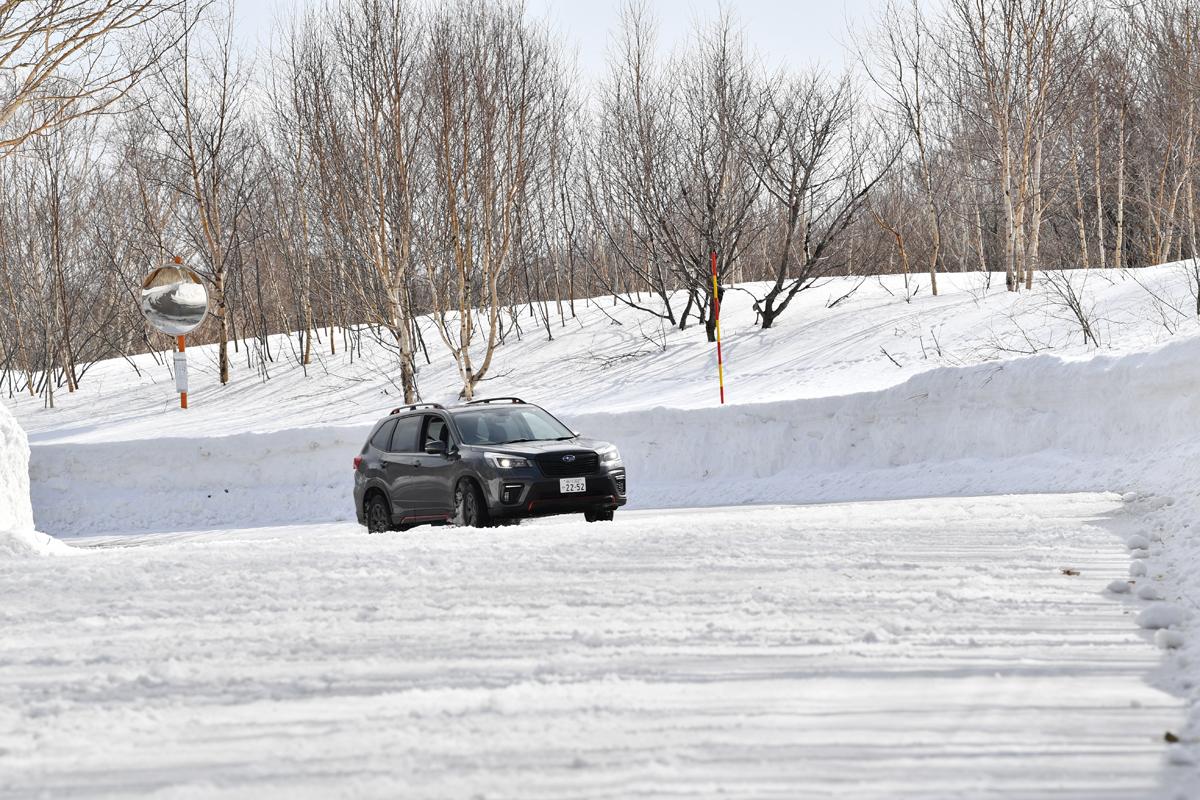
[(717, 324)]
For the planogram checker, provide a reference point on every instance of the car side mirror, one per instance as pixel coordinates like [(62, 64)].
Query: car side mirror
[(435, 448)]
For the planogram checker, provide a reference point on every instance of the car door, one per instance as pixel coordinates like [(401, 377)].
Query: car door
[(435, 479), (401, 465)]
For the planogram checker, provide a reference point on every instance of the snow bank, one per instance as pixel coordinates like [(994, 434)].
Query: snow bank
[(184, 483), (17, 536), (15, 511), (1032, 425)]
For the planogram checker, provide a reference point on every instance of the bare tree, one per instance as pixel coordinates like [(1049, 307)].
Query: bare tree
[(628, 171), (62, 60), (813, 165), (198, 103), (906, 77), (1008, 49), (491, 105)]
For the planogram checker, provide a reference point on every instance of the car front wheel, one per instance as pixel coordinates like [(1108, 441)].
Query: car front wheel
[(469, 508)]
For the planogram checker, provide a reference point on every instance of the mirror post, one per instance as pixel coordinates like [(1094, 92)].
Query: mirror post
[(181, 382), (181, 361)]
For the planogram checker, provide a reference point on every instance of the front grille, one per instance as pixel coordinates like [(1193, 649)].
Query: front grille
[(553, 466)]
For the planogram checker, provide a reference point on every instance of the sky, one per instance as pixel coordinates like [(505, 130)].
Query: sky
[(797, 33)]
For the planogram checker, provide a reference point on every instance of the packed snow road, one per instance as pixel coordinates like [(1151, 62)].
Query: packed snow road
[(926, 648)]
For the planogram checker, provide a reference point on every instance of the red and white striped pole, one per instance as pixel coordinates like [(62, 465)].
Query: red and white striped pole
[(717, 325)]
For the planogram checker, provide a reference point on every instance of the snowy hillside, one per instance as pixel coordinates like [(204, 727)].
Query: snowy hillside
[(612, 358)]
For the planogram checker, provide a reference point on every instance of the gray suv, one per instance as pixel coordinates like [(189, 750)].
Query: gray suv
[(489, 462)]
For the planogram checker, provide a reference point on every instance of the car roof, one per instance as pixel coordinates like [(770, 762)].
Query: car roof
[(434, 408), (484, 407)]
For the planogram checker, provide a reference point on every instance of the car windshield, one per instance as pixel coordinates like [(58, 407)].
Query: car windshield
[(508, 424)]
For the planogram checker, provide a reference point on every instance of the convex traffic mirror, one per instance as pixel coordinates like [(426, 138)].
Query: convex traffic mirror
[(174, 300)]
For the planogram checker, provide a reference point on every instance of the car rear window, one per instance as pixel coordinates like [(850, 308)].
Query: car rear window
[(383, 437), (404, 439)]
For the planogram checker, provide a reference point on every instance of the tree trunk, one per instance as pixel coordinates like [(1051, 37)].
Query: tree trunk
[(1010, 278), (1097, 168), (1118, 254), (222, 325), (1035, 235), (1079, 212), (983, 266)]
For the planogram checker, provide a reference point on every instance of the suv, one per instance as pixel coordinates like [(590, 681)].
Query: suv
[(488, 462)]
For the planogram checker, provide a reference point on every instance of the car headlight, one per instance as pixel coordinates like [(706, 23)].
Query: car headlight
[(502, 461), (609, 455)]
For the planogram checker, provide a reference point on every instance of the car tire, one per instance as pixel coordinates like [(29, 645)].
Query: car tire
[(599, 515), (470, 511), (379, 516)]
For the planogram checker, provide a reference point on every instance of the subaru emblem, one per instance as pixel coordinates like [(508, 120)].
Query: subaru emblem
[(568, 458)]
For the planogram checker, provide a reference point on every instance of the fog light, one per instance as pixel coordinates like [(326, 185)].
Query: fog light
[(512, 492), (620, 485)]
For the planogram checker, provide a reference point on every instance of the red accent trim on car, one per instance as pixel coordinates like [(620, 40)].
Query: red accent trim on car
[(426, 518)]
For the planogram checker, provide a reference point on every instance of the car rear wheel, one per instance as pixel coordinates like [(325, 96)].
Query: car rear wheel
[(379, 518), (469, 508), (599, 515)]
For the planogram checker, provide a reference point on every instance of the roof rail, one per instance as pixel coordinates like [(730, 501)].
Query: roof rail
[(414, 407), (486, 400)]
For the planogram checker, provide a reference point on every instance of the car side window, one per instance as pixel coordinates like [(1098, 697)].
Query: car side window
[(404, 439), (436, 430), (383, 437)]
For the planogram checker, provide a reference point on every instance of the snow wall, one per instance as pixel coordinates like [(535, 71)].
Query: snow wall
[(17, 536), (1038, 424)]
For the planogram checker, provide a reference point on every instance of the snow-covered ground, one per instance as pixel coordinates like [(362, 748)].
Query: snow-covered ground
[(923, 649), (974, 392)]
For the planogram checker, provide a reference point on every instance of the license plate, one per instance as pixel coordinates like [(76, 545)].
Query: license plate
[(569, 485)]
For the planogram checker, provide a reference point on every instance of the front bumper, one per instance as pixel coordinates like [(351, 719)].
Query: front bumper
[(529, 496)]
